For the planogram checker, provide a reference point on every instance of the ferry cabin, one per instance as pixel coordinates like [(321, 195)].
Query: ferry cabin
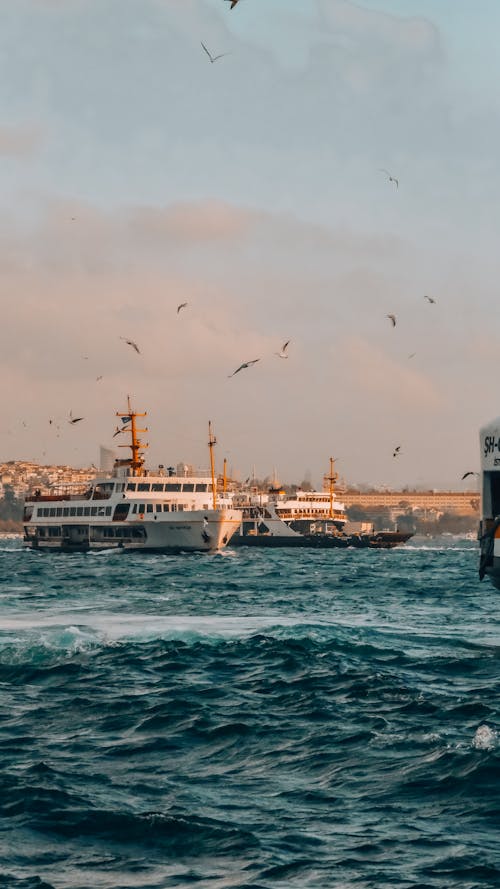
[(124, 511)]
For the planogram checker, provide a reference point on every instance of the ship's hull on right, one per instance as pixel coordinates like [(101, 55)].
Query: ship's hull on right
[(489, 526)]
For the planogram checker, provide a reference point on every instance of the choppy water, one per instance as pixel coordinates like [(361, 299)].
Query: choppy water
[(252, 719)]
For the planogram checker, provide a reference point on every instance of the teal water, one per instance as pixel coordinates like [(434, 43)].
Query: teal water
[(251, 719)]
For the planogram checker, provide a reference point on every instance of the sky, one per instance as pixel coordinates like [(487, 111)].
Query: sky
[(136, 175)]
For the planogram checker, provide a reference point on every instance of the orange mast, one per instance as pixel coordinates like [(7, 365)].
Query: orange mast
[(332, 478), (212, 441), (136, 460)]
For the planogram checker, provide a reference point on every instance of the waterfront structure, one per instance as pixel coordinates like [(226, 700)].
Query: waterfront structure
[(489, 526)]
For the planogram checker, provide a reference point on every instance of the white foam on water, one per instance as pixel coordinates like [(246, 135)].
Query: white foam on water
[(485, 738), (114, 628)]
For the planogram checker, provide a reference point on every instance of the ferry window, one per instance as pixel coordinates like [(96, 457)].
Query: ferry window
[(93, 510), (131, 486), (202, 488), (157, 487), (142, 486), (134, 508), (181, 507), (189, 487), (59, 511), (141, 507), (173, 507), (86, 510), (149, 507), (72, 510), (158, 507), (166, 507), (79, 510), (108, 510), (173, 486), (52, 512)]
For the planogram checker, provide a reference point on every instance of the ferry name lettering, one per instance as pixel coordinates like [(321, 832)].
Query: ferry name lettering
[(491, 444)]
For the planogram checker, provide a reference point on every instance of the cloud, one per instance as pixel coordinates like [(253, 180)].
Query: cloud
[(21, 140), (76, 278)]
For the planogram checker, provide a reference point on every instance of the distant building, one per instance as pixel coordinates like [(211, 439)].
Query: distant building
[(457, 502), (106, 458)]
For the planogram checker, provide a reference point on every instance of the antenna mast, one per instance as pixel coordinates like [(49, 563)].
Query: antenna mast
[(212, 441), (331, 479), (136, 446)]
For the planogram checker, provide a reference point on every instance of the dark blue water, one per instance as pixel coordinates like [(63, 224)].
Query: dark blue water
[(252, 719)]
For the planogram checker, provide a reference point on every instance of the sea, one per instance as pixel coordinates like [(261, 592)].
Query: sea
[(326, 719)]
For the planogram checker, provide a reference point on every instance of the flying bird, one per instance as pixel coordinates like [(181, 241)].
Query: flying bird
[(181, 306), (284, 347), (131, 343), (390, 178), (233, 3), (397, 451), (211, 57), (98, 378), (73, 419), (468, 473), (392, 319), (243, 366), (412, 355), (431, 300)]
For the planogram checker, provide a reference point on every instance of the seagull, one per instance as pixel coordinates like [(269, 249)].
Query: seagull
[(98, 378), (284, 347), (117, 432), (397, 451), (392, 319), (181, 306), (131, 343), (431, 300), (468, 473), (243, 366), (73, 419), (211, 57), (391, 178), (233, 4)]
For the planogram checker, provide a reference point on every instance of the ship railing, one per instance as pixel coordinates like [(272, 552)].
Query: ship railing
[(62, 492)]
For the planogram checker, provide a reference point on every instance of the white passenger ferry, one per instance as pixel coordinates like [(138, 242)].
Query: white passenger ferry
[(134, 509), (305, 512), (305, 509)]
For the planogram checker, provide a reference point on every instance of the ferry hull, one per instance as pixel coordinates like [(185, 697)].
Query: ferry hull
[(203, 532), (378, 540)]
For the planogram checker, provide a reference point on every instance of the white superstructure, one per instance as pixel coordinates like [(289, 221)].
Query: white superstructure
[(132, 509)]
